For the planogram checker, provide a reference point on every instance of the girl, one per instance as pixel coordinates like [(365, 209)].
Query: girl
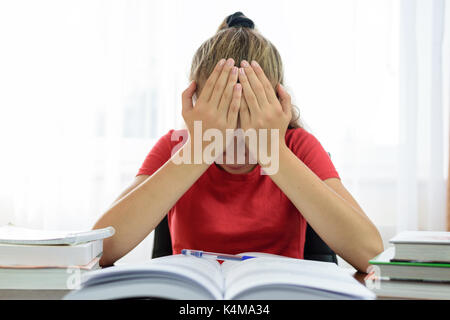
[(232, 208)]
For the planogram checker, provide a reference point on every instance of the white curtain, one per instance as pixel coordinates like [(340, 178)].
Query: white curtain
[(86, 88), (423, 148), (371, 78)]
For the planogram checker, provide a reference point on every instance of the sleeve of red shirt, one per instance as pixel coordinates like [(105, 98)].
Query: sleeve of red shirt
[(160, 153), (310, 151)]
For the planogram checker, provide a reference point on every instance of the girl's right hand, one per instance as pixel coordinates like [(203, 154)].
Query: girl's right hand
[(217, 107)]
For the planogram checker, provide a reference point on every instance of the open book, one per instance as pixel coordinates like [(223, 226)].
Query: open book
[(266, 277)]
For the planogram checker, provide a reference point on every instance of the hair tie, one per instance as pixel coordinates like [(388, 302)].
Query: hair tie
[(238, 19)]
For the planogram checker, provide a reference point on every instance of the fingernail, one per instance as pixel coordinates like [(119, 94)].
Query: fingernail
[(230, 62), (245, 64), (238, 87), (234, 70), (221, 62), (255, 64), (241, 70)]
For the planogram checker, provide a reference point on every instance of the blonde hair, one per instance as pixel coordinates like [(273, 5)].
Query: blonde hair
[(240, 42)]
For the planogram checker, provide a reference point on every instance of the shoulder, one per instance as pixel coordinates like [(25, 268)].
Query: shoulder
[(174, 134), (162, 150), (174, 137), (309, 150), (297, 133), (300, 141), (169, 143)]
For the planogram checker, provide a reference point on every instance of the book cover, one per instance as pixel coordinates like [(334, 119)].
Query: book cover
[(387, 258), (387, 267), (422, 237)]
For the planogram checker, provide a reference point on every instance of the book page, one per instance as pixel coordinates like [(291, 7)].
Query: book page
[(209, 269), (228, 264), (266, 271), (206, 273)]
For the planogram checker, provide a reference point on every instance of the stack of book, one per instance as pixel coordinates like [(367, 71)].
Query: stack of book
[(50, 260), (417, 266)]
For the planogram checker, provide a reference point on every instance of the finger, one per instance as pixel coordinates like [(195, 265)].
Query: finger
[(268, 89), (256, 85), (186, 97), (227, 95), (221, 83), (250, 97), (211, 82), (244, 114), (235, 104), (285, 99)]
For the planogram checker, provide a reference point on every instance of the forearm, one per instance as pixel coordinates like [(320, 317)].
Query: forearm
[(345, 228), (135, 215)]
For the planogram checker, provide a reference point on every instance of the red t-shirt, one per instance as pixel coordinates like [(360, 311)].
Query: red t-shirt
[(234, 213)]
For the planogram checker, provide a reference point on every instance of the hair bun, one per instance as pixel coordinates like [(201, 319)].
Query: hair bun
[(238, 19)]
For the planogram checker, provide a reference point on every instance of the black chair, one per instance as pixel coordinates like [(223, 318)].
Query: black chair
[(315, 247)]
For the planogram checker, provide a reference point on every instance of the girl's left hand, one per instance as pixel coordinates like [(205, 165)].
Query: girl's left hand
[(261, 108)]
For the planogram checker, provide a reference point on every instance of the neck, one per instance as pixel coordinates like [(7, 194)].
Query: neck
[(241, 169)]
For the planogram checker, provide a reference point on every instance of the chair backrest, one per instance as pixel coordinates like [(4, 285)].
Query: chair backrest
[(315, 247)]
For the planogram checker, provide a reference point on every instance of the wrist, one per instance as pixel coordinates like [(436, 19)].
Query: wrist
[(282, 141), (269, 159)]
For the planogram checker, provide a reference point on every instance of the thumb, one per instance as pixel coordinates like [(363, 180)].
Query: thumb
[(285, 98), (186, 96)]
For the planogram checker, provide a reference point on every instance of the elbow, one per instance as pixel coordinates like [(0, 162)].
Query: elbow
[(364, 265), (107, 259), (105, 262), (373, 248)]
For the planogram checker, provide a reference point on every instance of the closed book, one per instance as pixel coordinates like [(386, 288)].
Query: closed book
[(409, 270), (10, 234), (45, 277), (193, 278), (49, 255), (406, 289), (424, 246)]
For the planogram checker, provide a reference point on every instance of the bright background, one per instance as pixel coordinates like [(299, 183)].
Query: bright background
[(86, 88)]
